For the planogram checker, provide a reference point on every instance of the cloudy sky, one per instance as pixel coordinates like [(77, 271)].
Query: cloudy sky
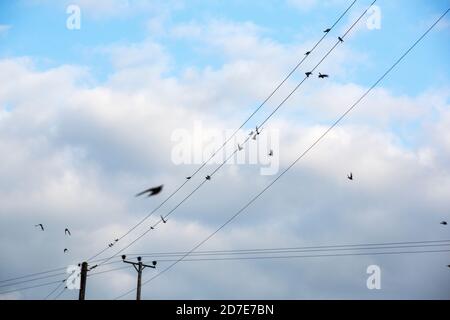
[(91, 116)]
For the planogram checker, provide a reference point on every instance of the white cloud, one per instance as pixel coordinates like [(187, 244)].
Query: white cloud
[(74, 155)]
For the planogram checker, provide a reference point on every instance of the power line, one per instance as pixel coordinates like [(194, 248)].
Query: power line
[(272, 250), (247, 139), (280, 251), (301, 155), (33, 274), (59, 294), (360, 246), (31, 280), (336, 255), (249, 252), (60, 282), (233, 259), (234, 134), (295, 248), (307, 256)]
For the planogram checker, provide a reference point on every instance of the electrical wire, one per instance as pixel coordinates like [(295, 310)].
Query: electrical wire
[(234, 134), (247, 139), (301, 155)]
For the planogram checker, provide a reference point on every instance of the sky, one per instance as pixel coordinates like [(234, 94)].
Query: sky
[(91, 116)]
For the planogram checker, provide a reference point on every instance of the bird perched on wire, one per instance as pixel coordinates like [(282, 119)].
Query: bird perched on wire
[(208, 177), (340, 39), (350, 176), (240, 148), (40, 225), (151, 191), (308, 74), (257, 132), (65, 250), (327, 30), (188, 178), (67, 232), (444, 223), (271, 153), (308, 53), (162, 219)]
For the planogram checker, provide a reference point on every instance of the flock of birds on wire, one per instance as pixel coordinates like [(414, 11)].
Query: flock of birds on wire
[(254, 134)]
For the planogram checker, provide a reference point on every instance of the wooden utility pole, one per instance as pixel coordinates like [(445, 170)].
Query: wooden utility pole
[(139, 266), (84, 270)]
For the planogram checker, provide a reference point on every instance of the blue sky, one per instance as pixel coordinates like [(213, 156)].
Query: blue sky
[(38, 30), (88, 118)]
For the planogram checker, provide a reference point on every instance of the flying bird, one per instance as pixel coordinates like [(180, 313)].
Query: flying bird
[(350, 176), (323, 76), (66, 231), (65, 250), (327, 30), (444, 223), (151, 191), (308, 74), (340, 39), (40, 225), (162, 219)]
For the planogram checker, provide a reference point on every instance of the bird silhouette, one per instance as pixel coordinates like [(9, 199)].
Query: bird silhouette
[(152, 228), (257, 130), (240, 148), (116, 240), (444, 223), (323, 76), (251, 133), (151, 191), (188, 178), (208, 177), (65, 250), (40, 225), (162, 219), (308, 53), (110, 245), (327, 30), (340, 39), (66, 231), (271, 153), (350, 176), (308, 74)]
